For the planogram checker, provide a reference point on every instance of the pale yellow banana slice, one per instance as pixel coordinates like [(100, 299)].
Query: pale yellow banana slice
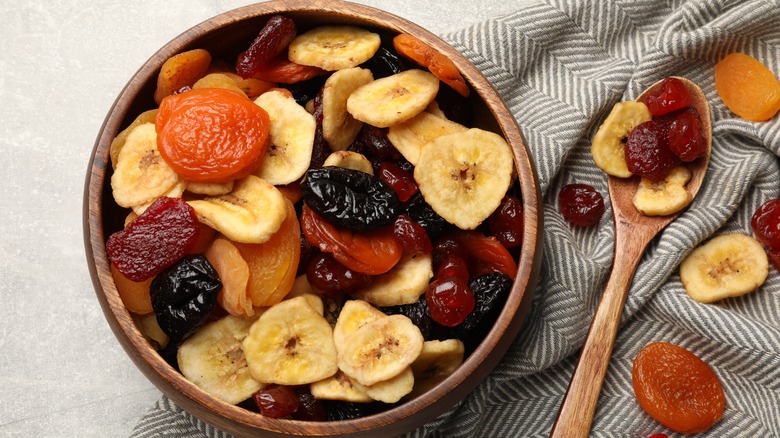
[(333, 47), (403, 284), (393, 99), (141, 174), (339, 387), (608, 145), (151, 330), (214, 360), (435, 109), (391, 390), (380, 350), (349, 160), (339, 128), (119, 141), (410, 136), (218, 80), (251, 213), (302, 288), (464, 176), (729, 265), (174, 192), (666, 196), (438, 360), (354, 314), (291, 344), (291, 139), (210, 189)]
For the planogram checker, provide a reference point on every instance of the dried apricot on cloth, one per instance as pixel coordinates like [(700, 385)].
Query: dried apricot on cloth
[(211, 134), (747, 87), (677, 389)]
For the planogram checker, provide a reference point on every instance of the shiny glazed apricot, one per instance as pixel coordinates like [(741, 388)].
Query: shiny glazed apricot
[(747, 87)]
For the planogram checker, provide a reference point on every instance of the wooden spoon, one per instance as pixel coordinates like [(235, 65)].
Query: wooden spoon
[(633, 232)]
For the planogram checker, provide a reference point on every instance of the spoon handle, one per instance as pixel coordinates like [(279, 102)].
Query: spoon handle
[(579, 404)]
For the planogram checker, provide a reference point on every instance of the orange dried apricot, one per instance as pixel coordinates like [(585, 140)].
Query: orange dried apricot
[(211, 134), (181, 70), (234, 273), (747, 87), (676, 388), (217, 80), (284, 71), (135, 294), (438, 64)]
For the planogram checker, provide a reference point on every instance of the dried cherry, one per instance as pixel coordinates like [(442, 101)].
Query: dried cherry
[(766, 223), (155, 240), (276, 401), (685, 136), (326, 274), (446, 247), (647, 152), (581, 204), (418, 312), (449, 300), (670, 96), (412, 236), (401, 181), (374, 144), (350, 198), (506, 223), (269, 43)]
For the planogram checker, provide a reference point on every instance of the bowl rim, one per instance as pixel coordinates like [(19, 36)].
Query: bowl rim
[(234, 419)]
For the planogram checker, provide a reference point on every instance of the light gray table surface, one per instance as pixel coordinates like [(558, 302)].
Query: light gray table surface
[(62, 63)]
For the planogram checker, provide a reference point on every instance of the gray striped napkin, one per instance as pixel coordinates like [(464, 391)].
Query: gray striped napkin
[(561, 65)]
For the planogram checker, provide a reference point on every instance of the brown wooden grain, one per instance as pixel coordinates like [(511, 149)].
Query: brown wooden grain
[(231, 31), (633, 232)]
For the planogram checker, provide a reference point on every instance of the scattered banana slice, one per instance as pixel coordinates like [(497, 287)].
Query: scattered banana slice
[(608, 146), (664, 197), (290, 344), (380, 350), (349, 160), (251, 213), (464, 176), (302, 288), (393, 99), (392, 390), (438, 360), (141, 174), (213, 359), (339, 387), (333, 47), (339, 128), (410, 136), (401, 285), (119, 141), (354, 314), (729, 265), (209, 189), (291, 138)]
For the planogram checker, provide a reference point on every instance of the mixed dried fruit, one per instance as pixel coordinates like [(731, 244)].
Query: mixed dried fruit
[(316, 228)]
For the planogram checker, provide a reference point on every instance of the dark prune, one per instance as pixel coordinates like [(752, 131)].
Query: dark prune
[(329, 276), (276, 401), (422, 213), (184, 295), (373, 143), (449, 300), (647, 152), (321, 149), (305, 91), (412, 236), (671, 96), (342, 410), (155, 240), (456, 107), (385, 62), (350, 198), (490, 293), (685, 137), (581, 204), (506, 223), (271, 41), (309, 408), (418, 312), (399, 179)]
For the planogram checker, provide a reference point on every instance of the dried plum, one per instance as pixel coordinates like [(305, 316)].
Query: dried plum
[(419, 314), (456, 107), (490, 292), (342, 410), (305, 91), (386, 62), (374, 144), (309, 408), (350, 198), (422, 213)]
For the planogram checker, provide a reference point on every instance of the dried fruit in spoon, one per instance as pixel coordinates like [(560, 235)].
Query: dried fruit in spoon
[(608, 145), (670, 96), (747, 87), (677, 389), (647, 152), (435, 61)]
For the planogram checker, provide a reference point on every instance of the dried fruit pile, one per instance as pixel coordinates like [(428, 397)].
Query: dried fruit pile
[(315, 226)]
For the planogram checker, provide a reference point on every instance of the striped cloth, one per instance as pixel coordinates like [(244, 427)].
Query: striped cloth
[(560, 65)]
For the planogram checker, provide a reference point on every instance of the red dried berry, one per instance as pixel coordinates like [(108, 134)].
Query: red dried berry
[(411, 236), (276, 401), (685, 137), (401, 181), (506, 223), (658, 435), (647, 152), (444, 247), (155, 240), (453, 266), (581, 204), (449, 300), (271, 41), (774, 257), (327, 275), (671, 96), (766, 223)]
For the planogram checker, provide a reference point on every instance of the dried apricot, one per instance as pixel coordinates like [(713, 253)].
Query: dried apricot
[(438, 64), (135, 294), (217, 80), (211, 134), (747, 87), (676, 388), (181, 70), (284, 71), (234, 273)]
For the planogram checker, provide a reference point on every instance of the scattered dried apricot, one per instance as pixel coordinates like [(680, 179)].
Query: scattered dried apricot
[(676, 388), (181, 70), (438, 64), (747, 87)]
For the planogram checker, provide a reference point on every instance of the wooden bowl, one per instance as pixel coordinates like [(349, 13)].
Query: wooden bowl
[(102, 216)]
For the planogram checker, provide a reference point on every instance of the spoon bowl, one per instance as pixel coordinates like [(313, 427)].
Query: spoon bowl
[(633, 232)]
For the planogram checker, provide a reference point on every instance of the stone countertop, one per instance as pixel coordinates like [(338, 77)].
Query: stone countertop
[(62, 373)]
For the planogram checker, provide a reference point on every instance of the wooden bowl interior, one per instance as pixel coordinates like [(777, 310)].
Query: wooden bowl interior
[(222, 36)]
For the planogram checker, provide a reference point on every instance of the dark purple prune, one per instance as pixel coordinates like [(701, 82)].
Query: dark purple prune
[(418, 312), (374, 144), (309, 408), (271, 41), (386, 62), (350, 198), (490, 292), (184, 295), (305, 91), (321, 149), (342, 410), (422, 213), (456, 107)]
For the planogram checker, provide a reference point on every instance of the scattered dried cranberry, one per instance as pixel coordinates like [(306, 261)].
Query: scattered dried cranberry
[(326, 274), (400, 180), (581, 204), (671, 96), (685, 137), (766, 223), (412, 236), (276, 401), (155, 240), (506, 223), (309, 408), (271, 41), (449, 300), (647, 152)]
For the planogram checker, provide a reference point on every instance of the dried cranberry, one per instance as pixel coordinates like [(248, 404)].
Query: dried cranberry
[(685, 137), (453, 265), (326, 274), (506, 223), (412, 236), (271, 41), (647, 152), (400, 180), (276, 401), (774, 257), (446, 246), (449, 300), (155, 240), (309, 408), (671, 95), (766, 223), (581, 204)]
